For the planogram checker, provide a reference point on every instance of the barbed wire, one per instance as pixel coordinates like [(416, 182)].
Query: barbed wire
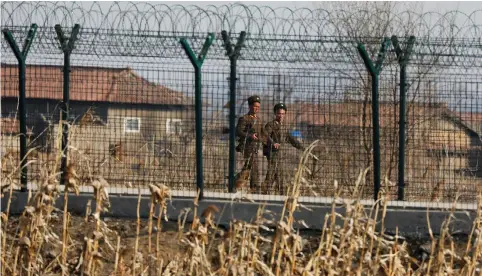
[(262, 20), (281, 34)]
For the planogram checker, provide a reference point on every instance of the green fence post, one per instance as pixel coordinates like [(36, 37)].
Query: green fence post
[(233, 55), (374, 71), (66, 45), (21, 58), (197, 63), (403, 57)]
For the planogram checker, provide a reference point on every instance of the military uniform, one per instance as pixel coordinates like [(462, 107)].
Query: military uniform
[(277, 133), (247, 125)]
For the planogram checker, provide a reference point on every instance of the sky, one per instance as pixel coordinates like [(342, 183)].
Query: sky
[(428, 6), (435, 6), (441, 7)]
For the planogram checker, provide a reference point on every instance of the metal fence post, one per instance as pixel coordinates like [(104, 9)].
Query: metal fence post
[(21, 58), (403, 57), (66, 45), (233, 55), (374, 71), (197, 63)]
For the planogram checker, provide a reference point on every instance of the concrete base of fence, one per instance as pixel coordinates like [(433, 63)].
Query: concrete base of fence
[(410, 222)]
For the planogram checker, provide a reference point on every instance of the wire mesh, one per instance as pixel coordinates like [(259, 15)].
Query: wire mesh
[(132, 95)]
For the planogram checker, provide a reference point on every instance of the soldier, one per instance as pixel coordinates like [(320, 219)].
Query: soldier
[(249, 131), (277, 134)]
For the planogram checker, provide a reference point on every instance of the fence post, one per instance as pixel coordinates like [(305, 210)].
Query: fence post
[(233, 55), (21, 58), (374, 71), (197, 63), (403, 57), (66, 45)]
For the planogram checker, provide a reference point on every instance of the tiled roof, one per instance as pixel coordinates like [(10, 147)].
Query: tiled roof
[(115, 85), (472, 120), (351, 113)]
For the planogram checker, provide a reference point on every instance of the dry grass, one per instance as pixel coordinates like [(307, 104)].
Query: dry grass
[(352, 245), (428, 178)]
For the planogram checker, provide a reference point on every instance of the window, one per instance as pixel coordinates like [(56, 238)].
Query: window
[(132, 124), (9, 114), (173, 126)]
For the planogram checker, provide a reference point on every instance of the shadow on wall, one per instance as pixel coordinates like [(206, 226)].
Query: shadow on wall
[(475, 155)]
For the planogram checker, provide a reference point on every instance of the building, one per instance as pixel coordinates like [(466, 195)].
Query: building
[(110, 108)]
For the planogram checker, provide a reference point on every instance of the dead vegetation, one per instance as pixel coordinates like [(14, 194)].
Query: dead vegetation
[(428, 178), (350, 243)]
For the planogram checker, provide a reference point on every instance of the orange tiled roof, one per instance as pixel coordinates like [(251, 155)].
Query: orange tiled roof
[(116, 85)]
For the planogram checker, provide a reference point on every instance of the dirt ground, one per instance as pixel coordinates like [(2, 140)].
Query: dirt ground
[(171, 247)]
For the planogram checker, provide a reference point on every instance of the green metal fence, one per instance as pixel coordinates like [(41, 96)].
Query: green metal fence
[(140, 93)]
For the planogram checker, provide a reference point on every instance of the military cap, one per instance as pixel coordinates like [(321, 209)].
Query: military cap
[(280, 106), (254, 99)]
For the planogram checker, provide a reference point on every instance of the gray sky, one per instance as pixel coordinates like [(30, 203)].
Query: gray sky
[(436, 6), (427, 6), (416, 6)]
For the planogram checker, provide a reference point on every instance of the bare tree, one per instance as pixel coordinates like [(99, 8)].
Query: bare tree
[(369, 23)]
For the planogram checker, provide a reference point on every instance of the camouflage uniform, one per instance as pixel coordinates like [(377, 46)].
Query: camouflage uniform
[(277, 133), (250, 124)]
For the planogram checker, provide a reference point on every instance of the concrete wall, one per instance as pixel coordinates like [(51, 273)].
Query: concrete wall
[(409, 221)]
